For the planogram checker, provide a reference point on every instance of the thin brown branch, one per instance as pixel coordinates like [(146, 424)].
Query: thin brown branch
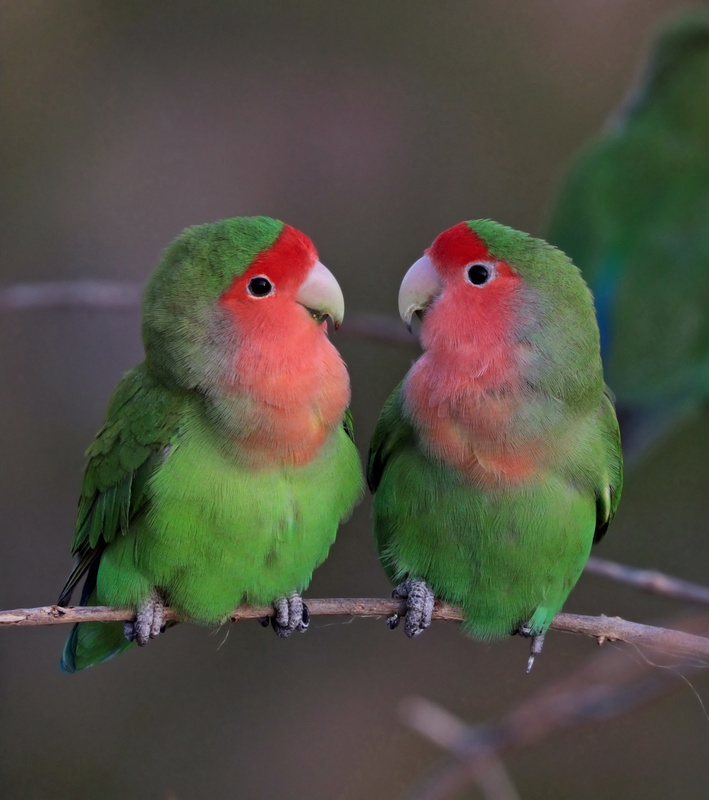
[(602, 628), (615, 629), (605, 687), (649, 580)]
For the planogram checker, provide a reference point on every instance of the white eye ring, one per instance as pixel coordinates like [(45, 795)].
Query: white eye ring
[(260, 286), (479, 273)]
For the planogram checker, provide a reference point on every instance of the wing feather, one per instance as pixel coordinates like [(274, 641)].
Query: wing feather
[(142, 419)]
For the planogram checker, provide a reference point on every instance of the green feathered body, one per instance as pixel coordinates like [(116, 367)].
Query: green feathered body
[(180, 499), (213, 532), (508, 554), (496, 464)]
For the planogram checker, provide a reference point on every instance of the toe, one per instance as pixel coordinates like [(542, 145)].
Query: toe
[(143, 621), (304, 622), (281, 618), (419, 608), (291, 615), (156, 625)]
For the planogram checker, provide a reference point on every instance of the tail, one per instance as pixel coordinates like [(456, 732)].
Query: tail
[(91, 642)]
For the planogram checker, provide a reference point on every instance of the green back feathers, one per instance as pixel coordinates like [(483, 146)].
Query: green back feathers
[(543, 267), (181, 323), (676, 72), (204, 259), (557, 317)]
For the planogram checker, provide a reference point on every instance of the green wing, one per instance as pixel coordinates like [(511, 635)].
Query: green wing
[(611, 485), (392, 434), (392, 431), (348, 425), (142, 418)]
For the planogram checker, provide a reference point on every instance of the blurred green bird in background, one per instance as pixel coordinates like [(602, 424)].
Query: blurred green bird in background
[(633, 214)]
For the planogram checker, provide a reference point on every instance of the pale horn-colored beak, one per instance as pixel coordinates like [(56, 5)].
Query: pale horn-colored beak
[(321, 295), (421, 285)]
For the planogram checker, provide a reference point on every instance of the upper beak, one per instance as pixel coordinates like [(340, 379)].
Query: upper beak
[(419, 288), (320, 293)]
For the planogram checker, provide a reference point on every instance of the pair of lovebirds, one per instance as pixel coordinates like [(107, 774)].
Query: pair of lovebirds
[(227, 462)]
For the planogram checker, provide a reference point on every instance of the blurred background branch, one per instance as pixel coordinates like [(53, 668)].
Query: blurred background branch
[(648, 580), (107, 295), (607, 686), (98, 294)]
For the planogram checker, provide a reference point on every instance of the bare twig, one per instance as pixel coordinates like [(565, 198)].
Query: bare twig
[(614, 629), (450, 733), (649, 580), (605, 687), (104, 295), (602, 628)]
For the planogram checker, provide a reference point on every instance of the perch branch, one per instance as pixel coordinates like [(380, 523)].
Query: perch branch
[(602, 628)]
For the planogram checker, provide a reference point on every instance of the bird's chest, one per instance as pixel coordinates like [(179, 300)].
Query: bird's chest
[(281, 408), (201, 497), (469, 415)]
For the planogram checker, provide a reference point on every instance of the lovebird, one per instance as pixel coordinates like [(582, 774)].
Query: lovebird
[(633, 214), (226, 462), (496, 463)]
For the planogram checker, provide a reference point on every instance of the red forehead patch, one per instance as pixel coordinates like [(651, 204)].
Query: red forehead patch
[(286, 263), (457, 247), (289, 258)]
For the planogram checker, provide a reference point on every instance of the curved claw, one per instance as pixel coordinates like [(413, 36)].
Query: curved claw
[(534, 650), (149, 621), (419, 606), (291, 615), (529, 631)]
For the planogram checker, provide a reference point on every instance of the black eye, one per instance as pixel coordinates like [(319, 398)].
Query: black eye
[(260, 286), (478, 274)]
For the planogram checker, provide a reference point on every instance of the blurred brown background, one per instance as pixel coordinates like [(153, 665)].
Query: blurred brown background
[(372, 126)]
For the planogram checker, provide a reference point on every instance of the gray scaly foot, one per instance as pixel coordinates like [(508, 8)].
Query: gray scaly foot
[(419, 606), (149, 621), (291, 615)]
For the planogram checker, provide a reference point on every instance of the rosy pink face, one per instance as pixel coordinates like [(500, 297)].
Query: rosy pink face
[(462, 259), (283, 361), (467, 294), (465, 387)]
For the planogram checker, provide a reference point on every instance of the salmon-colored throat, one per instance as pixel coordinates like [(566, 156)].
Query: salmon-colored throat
[(288, 388), (465, 392)]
